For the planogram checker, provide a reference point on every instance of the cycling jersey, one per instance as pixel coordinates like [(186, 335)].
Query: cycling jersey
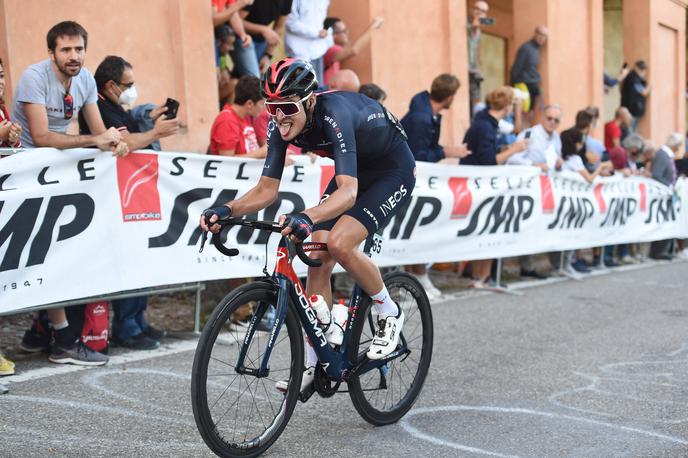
[(348, 127), (366, 142)]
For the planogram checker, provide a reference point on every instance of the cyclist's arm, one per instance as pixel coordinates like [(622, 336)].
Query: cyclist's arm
[(339, 201), (257, 198)]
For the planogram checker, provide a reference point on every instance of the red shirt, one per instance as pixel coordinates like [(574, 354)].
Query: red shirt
[(612, 132), (232, 133), (5, 116), (331, 67)]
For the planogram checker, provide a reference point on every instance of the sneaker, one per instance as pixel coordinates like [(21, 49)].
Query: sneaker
[(6, 366), (80, 355), (430, 289), (611, 263), (34, 342), (154, 333), (478, 284), (387, 336), (139, 342), (533, 274), (306, 380), (581, 266), (627, 259)]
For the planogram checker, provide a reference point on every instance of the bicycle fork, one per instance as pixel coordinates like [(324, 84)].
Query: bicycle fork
[(280, 318)]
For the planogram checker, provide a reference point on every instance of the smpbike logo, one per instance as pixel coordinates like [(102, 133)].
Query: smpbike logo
[(137, 178), (463, 199)]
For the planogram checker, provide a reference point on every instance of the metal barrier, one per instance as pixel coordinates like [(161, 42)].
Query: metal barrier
[(198, 287)]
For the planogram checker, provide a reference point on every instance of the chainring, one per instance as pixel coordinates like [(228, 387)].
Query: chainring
[(322, 383)]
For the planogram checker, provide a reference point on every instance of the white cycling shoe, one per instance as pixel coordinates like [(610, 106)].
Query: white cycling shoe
[(306, 380), (387, 336)]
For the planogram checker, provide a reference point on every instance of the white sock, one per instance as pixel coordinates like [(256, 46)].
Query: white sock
[(58, 326), (311, 357), (384, 304)]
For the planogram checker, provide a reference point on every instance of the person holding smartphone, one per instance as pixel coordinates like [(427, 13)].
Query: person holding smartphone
[(116, 97), (473, 30)]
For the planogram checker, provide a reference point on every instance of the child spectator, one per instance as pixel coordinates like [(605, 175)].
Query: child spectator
[(232, 132), (243, 53)]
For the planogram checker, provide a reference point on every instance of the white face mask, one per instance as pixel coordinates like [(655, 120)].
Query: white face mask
[(128, 97), (505, 127)]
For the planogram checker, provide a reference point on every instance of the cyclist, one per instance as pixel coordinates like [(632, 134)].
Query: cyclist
[(374, 177)]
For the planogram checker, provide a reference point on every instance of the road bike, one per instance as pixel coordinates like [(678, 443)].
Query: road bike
[(237, 408)]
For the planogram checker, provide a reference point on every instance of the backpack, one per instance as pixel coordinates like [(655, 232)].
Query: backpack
[(91, 325)]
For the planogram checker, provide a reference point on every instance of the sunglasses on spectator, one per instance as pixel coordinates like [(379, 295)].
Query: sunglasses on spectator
[(288, 108), (68, 105), (554, 120)]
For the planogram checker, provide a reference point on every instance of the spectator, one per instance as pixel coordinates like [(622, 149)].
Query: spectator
[(594, 148), (481, 139), (373, 91), (544, 146), (610, 82), (243, 53), (49, 94), (305, 37), (422, 125), (423, 121), (257, 22), (571, 144), (343, 48), (544, 151), (634, 92), (10, 132), (345, 80), (613, 130), (232, 132), (473, 31), (524, 70), (224, 44), (664, 171), (116, 90)]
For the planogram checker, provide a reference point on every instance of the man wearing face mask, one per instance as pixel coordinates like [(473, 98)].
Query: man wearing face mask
[(116, 90)]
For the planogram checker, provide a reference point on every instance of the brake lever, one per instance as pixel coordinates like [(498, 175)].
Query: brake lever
[(204, 238)]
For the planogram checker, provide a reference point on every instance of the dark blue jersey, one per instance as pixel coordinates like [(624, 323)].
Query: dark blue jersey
[(351, 128)]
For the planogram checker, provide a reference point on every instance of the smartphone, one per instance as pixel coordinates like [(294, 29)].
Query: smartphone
[(172, 107), (527, 134), (625, 65), (487, 20)]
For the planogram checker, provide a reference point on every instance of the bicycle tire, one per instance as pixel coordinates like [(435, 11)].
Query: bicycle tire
[(411, 296), (205, 414)]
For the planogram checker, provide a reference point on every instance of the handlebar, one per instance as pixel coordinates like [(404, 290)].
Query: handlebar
[(268, 226)]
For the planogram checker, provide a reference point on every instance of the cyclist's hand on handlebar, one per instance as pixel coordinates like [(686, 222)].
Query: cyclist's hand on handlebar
[(211, 215), (299, 225)]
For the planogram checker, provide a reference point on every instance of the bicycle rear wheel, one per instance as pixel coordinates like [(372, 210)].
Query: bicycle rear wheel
[(241, 415), (382, 396)]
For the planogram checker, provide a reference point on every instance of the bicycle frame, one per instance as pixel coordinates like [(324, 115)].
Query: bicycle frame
[(336, 362)]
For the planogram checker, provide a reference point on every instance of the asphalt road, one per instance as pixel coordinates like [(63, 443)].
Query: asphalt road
[(583, 369)]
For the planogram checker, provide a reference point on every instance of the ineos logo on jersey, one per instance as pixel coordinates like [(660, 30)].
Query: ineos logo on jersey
[(137, 178), (392, 201)]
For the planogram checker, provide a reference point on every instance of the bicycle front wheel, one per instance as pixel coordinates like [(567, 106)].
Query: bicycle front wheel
[(240, 414), (382, 396)]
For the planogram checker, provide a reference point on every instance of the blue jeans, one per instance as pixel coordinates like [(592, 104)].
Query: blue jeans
[(128, 320), (319, 67), (245, 62), (259, 47)]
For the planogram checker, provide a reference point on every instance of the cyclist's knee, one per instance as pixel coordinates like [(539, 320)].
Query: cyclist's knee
[(340, 247)]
